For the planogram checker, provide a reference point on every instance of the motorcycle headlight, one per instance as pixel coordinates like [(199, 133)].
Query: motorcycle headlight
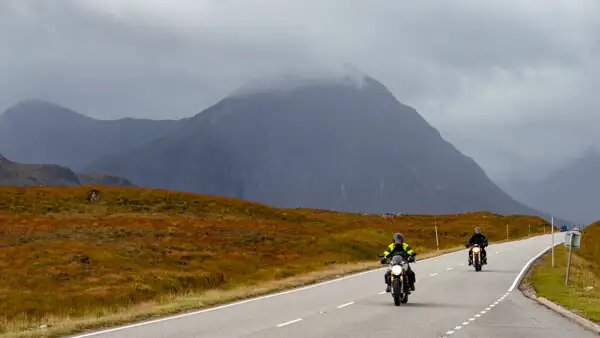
[(475, 249), (397, 269)]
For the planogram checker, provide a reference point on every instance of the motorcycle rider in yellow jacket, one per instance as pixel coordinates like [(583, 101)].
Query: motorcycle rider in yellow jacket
[(399, 247)]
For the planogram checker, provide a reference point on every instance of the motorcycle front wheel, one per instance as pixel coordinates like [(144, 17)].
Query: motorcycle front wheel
[(397, 291)]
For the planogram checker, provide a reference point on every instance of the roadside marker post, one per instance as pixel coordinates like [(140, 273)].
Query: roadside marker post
[(437, 240), (552, 230)]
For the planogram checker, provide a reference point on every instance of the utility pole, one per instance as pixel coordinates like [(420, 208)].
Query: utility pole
[(507, 231)]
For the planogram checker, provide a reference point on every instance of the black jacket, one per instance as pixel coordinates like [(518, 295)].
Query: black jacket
[(478, 239)]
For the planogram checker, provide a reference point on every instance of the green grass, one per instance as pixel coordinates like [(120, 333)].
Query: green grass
[(582, 295)]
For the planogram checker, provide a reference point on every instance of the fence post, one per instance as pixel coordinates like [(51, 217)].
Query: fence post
[(437, 240)]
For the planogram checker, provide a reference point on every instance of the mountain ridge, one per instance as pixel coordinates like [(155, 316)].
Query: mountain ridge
[(20, 174), (238, 152), (37, 131), (570, 191)]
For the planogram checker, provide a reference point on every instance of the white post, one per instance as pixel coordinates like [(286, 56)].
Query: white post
[(507, 232), (529, 231), (437, 240), (552, 231)]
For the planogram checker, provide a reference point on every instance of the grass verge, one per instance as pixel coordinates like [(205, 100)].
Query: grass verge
[(582, 295), (139, 253)]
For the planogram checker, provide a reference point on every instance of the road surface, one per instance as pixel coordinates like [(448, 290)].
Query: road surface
[(451, 300)]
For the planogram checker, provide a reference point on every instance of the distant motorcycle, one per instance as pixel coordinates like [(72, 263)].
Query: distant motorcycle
[(476, 257), (398, 278)]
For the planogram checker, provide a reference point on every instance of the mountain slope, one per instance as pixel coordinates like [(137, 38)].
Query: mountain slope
[(572, 192), (107, 179), (18, 174), (328, 145), (35, 131)]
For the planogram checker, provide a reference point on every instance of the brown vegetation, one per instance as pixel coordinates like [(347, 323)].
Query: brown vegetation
[(62, 256)]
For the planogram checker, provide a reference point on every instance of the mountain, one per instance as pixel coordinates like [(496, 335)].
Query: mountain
[(571, 192), (324, 144), (19, 174), (107, 179), (35, 131)]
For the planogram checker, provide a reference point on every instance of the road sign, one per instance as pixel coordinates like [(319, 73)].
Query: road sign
[(572, 239)]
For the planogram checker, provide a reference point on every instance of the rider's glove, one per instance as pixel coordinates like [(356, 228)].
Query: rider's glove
[(383, 260), (411, 258)]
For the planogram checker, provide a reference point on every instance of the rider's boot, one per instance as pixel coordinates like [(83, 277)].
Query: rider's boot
[(388, 288)]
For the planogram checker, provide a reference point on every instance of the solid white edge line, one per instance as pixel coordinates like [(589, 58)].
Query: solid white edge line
[(344, 305), (249, 300), (527, 266), (290, 322)]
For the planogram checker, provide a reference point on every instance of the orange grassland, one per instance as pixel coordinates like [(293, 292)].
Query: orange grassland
[(65, 260)]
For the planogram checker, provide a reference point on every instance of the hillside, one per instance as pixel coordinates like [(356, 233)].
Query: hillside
[(35, 131), (142, 252), (19, 174), (326, 144), (583, 293), (107, 179), (571, 192)]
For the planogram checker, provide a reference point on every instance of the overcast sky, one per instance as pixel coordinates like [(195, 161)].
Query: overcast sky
[(513, 84)]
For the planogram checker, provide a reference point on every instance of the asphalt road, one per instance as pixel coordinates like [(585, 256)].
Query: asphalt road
[(451, 300)]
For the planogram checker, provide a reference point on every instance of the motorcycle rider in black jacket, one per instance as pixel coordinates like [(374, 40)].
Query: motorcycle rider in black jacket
[(482, 241)]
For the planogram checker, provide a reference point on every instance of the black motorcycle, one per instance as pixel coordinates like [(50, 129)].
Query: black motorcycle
[(476, 256), (398, 279)]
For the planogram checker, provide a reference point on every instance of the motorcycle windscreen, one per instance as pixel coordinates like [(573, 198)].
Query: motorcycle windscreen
[(397, 259)]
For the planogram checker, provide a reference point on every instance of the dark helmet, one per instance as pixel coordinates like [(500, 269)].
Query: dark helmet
[(477, 230), (398, 237)]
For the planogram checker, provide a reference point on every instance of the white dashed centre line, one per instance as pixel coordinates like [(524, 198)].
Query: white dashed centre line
[(290, 322), (449, 269), (433, 274), (344, 305)]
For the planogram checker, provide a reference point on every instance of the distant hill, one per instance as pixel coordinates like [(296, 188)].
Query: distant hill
[(18, 174), (572, 192), (107, 179), (341, 145), (35, 131)]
